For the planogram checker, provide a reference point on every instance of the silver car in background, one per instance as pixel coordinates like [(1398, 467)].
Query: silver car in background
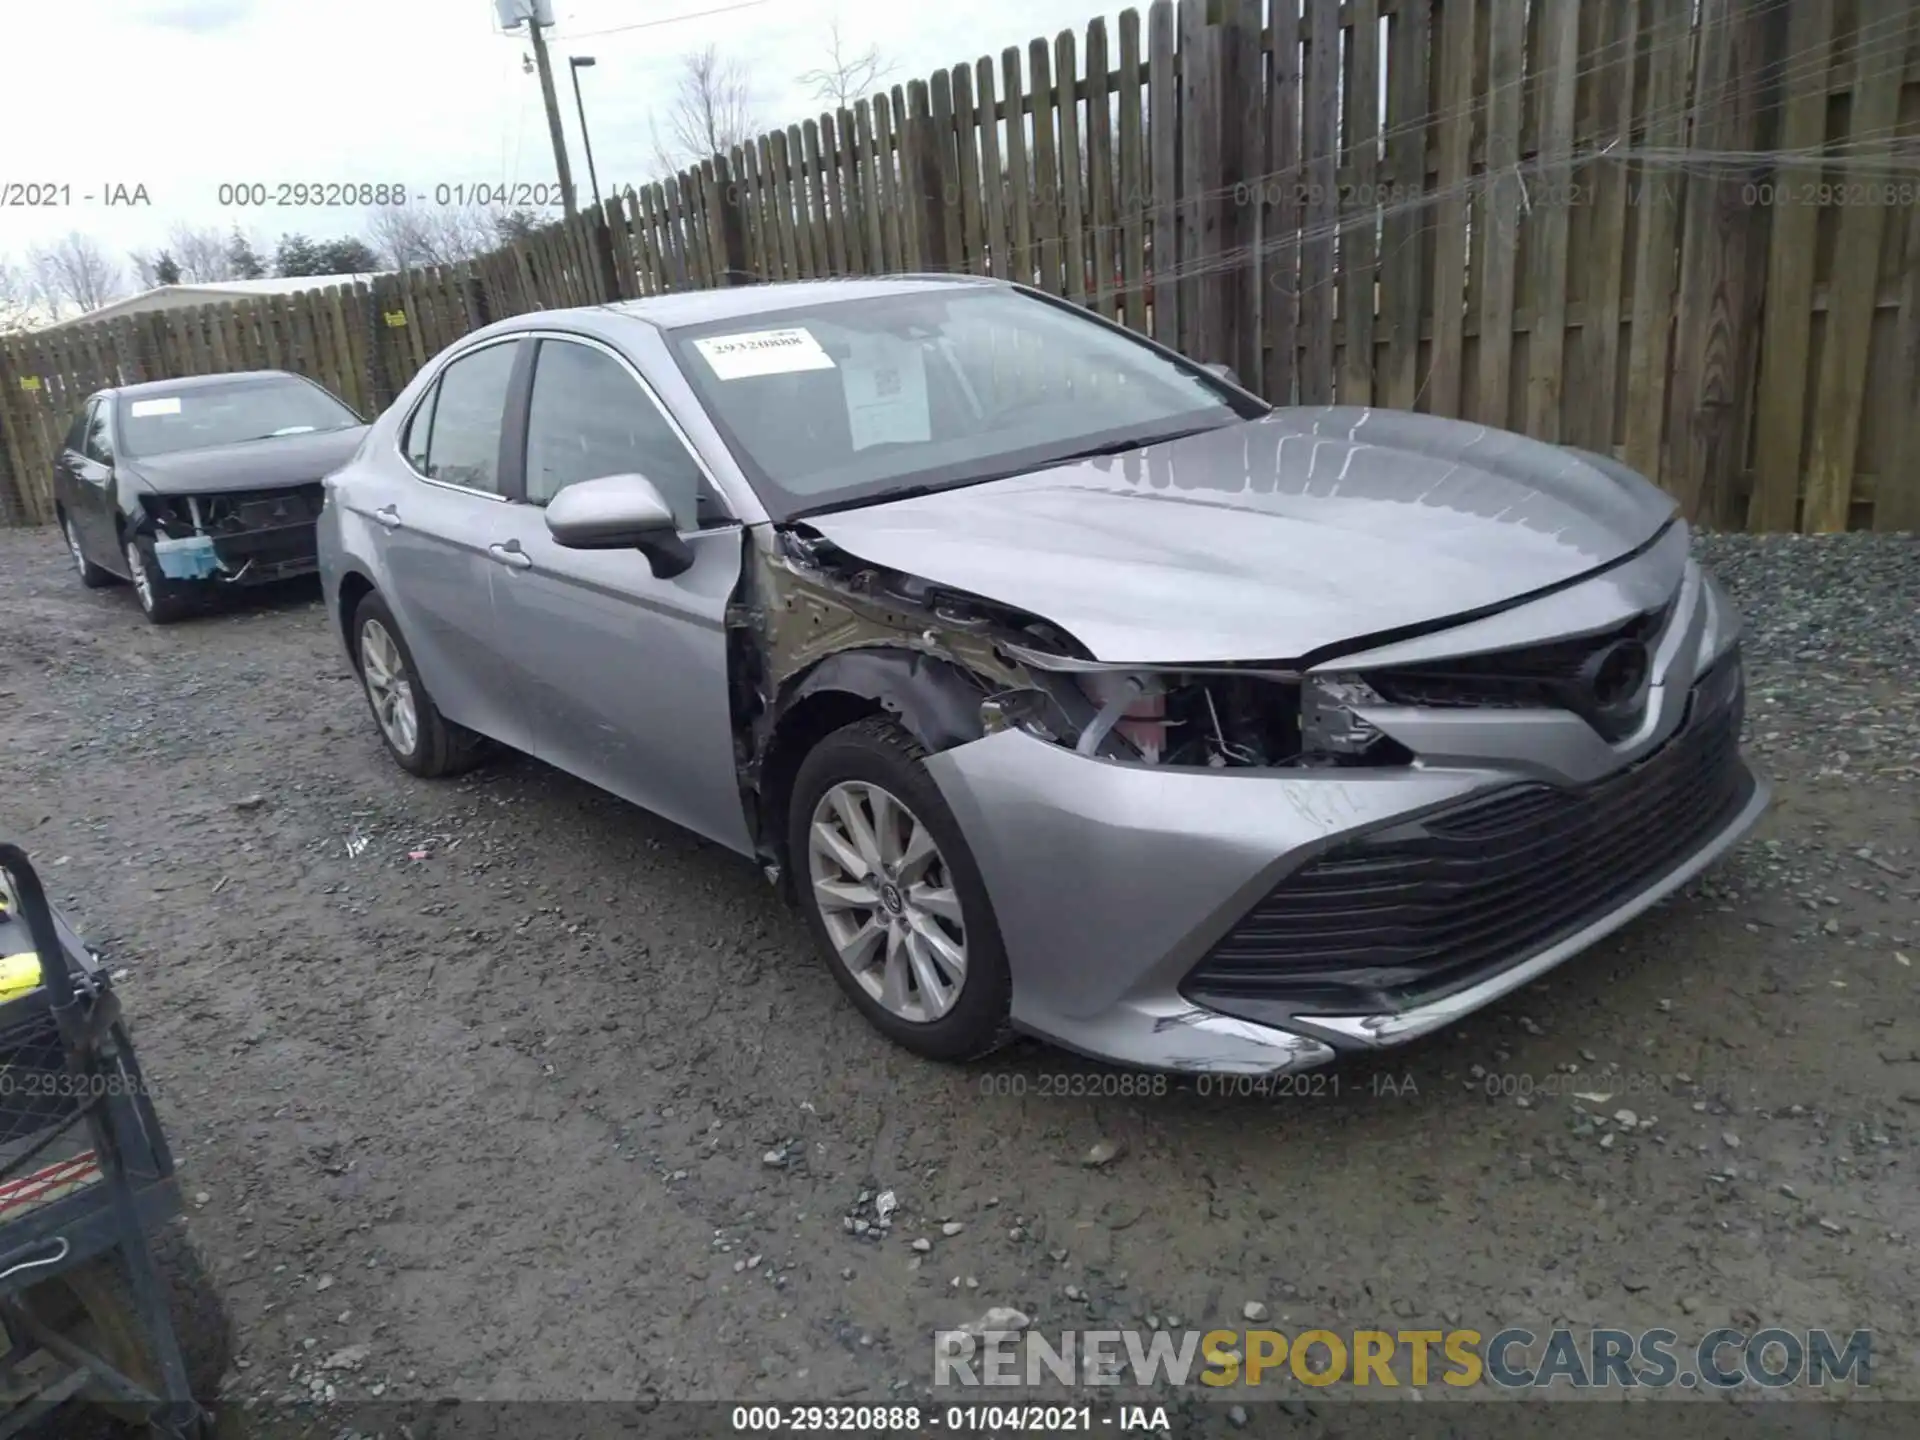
[(1067, 687)]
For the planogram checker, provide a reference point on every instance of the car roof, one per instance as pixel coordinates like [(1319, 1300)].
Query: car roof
[(742, 302), (194, 382)]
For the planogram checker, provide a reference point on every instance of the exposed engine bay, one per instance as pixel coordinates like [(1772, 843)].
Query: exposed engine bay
[(955, 666), (235, 536)]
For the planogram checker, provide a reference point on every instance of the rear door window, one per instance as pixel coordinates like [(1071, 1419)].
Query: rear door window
[(468, 411)]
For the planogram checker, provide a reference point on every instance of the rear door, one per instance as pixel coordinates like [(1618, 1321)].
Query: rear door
[(435, 508), (90, 486), (622, 675)]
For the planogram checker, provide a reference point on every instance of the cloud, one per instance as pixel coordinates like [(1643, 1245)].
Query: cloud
[(195, 17)]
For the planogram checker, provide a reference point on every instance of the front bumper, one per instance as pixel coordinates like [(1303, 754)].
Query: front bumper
[(1118, 887), (248, 538)]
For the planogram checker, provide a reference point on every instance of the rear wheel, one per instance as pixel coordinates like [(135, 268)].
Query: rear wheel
[(163, 601), (893, 897), (417, 735), (91, 575)]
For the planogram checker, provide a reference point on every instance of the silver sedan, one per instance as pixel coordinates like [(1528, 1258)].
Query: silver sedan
[(1065, 686)]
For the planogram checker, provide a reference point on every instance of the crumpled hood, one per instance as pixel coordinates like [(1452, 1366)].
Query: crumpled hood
[(1271, 539), (250, 465)]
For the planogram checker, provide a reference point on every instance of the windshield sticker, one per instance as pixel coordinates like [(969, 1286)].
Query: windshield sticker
[(762, 352), (143, 408), (886, 387)]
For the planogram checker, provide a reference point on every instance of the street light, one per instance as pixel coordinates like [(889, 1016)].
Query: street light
[(577, 63)]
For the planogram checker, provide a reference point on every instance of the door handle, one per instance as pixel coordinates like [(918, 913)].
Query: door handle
[(388, 516), (511, 554)]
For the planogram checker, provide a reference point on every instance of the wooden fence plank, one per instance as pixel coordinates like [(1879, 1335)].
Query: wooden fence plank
[(1655, 257), (1192, 94), (928, 194), (1020, 180), (1072, 161), (941, 140), (1896, 502), (1856, 275), (1550, 219), (1455, 123), (1048, 235), (887, 145), (1163, 178), (826, 255), (1131, 187), (973, 219), (1101, 228), (1717, 306), (1320, 154), (999, 257), (1787, 332), (873, 239), (1359, 210), (1405, 227), (1280, 208), (1506, 51), (832, 199)]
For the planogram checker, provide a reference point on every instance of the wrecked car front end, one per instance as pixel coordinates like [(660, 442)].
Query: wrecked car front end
[(1251, 867), (242, 537)]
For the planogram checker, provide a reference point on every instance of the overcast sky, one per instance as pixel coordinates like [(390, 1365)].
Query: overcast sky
[(180, 96)]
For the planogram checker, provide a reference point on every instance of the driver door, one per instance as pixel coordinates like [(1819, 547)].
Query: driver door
[(621, 675)]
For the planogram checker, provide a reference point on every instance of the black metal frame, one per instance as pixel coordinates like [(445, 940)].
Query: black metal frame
[(136, 1190)]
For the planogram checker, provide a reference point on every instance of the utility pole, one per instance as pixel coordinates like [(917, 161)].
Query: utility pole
[(553, 115)]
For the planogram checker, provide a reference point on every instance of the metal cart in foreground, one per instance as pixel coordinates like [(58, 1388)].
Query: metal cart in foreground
[(103, 1299)]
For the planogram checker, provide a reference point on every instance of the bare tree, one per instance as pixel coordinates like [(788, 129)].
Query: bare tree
[(410, 236), (19, 298), (846, 78), (201, 255), (75, 271), (711, 111)]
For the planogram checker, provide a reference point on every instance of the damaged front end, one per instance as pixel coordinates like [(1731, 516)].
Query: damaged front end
[(234, 537), (819, 631)]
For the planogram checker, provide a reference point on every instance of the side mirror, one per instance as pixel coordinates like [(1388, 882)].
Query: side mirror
[(1224, 371), (619, 512)]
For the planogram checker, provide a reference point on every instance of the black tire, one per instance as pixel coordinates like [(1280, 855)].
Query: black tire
[(91, 575), (876, 750), (94, 1304), (440, 747), (161, 600)]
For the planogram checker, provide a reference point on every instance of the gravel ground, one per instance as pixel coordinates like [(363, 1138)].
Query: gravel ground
[(567, 1109)]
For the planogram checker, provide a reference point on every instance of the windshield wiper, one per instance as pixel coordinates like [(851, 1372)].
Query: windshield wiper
[(1131, 442)]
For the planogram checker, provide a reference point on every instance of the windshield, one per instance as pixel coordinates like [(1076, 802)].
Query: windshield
[(156, 423), (861, 400)]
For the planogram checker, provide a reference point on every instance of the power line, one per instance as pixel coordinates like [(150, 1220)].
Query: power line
[(664, 20)]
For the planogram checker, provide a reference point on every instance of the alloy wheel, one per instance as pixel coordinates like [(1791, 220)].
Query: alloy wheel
[(389, 687), (142, 582), (887, 900)]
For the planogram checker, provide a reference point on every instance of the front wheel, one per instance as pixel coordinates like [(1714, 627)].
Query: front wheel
[(417, 735), (893, 897), (163, 601)]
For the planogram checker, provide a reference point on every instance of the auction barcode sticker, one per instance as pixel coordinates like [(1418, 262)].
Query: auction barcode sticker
[(762, 352)]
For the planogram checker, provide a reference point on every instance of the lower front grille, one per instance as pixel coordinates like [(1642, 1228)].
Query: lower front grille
[(1408, 914)]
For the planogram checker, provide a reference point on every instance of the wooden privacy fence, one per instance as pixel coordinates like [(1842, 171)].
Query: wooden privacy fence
[(1682, 232)]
